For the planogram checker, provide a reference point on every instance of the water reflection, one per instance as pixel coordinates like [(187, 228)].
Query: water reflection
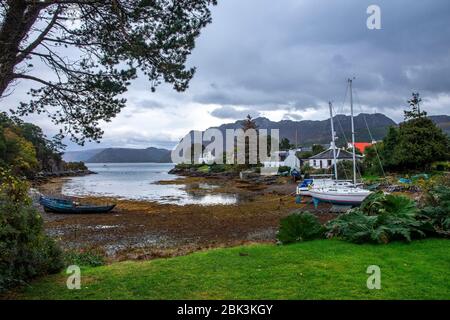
[(138, 182)]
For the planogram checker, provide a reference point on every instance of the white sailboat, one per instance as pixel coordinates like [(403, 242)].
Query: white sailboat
[(338, 193), (304, 188)]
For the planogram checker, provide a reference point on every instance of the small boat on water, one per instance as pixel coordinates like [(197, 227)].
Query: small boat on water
[(70, 207)]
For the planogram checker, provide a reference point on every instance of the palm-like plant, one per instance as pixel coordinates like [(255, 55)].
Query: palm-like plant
[(381, 219), (436, 213)]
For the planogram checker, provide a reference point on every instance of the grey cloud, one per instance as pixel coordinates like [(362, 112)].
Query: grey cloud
[(270, 53), (292, 116), (149, 104), (228, 112), (294, 55)]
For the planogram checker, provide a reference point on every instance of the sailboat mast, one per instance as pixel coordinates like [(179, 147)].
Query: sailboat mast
[(333, 143), (350, 82)]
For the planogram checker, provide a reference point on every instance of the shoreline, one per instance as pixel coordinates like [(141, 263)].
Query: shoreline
[(45, 177), (143, 229)]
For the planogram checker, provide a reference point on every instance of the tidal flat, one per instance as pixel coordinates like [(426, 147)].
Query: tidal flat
[(142, 229)]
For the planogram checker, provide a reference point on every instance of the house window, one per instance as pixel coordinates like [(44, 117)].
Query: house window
[(329, 163), (314, 163), (321, 164)]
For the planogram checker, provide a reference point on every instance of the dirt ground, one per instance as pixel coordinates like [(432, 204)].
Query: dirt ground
[(145, 230)]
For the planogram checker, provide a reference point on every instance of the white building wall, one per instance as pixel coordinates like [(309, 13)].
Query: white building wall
[(273, 164), (321, 163), (292, 161), (207, 158)]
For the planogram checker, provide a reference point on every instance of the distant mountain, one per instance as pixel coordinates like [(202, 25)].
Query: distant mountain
[(124, 155), (77, 156), (442, 122), (308, 132)]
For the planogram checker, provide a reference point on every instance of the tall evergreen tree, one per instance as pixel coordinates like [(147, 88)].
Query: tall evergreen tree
[(416, 143), (249, 124), (285, 144), (93, 49), (415, 112)]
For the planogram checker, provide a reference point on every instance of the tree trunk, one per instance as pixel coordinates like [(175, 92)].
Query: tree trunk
[(17, 23)]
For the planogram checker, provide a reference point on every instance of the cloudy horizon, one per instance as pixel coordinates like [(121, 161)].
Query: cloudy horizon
[(285, 60)]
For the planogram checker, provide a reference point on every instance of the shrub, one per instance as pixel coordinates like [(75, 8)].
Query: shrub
[(400, 150), (84, 258), (25, 250), (436, 213), (299, 227), (380, 219), (203, 168), (441, 166), (284, 169), (187, 166), (371, 163), (75, 166), (307, 170), (218, 168)]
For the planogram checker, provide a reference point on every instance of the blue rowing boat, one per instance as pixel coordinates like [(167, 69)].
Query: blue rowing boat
[(70, 207)]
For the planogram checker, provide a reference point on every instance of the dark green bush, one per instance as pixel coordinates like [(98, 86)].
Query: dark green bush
[(84, 258), (218, 168), (441, 166), (380, 219), (284, 169), (187, 166), (299, 227), (25, 250), (75, 166), (436, 213)]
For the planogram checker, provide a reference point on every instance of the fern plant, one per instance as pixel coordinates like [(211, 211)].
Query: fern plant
[(380, 219), (436, 213), (355, 226)]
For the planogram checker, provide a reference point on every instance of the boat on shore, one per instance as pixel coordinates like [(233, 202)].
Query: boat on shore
[(338, 195), (305, 187), (64, 206), (347, 193)]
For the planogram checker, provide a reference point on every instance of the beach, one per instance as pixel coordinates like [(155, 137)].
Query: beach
[(144, 229)]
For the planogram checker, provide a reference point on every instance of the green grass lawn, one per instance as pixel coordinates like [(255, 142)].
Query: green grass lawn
[(324, 269)]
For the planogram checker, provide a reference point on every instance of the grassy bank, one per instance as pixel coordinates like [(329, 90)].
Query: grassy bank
[(325, 269)]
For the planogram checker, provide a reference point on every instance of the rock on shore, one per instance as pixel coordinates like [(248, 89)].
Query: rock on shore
[(45, 176), (192, 172)]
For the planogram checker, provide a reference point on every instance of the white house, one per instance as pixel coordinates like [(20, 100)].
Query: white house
[(292, 160), (325, 160), (284, 159), (207, 158)]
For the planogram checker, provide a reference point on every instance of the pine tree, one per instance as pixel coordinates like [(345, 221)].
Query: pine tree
[(415, 112), (416, 143), (110, 41)]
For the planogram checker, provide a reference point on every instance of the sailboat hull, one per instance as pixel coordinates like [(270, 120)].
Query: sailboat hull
[(304, 189), (339, 198)]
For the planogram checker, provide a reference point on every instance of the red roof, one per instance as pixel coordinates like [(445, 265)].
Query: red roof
[(362, 146)]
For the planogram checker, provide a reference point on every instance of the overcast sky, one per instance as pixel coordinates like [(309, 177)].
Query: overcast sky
[(286, 59)]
